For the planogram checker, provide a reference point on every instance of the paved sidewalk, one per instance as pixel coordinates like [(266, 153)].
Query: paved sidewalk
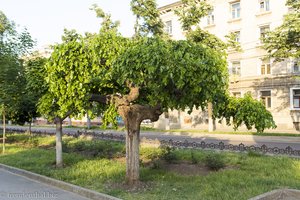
[(15, 187)]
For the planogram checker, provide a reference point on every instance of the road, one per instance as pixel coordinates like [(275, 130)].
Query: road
[(248, 140), (15, 187)]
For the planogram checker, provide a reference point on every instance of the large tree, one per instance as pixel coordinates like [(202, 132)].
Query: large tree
[(139, 78), (284, 41)]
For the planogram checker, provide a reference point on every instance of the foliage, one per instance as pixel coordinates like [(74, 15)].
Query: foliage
[(247, 111), (194, 157), (107, 23), (168, 154), (109, 116), (214, 161), (89, 59), (14, 45), (191, 12), (174, 74), (148, 20), (33, 87), (284, 41), (207, 39), (232, 43)]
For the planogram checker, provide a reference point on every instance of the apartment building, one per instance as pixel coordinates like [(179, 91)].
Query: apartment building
[(275, 84)]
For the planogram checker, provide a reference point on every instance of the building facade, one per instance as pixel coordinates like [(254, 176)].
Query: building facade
[(274, 83)]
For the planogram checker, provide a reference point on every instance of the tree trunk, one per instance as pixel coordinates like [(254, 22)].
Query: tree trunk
[(132, 153), (59, 158), (88, 121), (132, 119), (211, 126), (4, 130), (29, 129)]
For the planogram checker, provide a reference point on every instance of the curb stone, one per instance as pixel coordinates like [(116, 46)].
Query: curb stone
[(59, 184)]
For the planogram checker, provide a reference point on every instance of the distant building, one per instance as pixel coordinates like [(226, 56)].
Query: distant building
[(275, 84)]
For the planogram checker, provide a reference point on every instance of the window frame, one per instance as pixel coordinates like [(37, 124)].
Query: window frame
[(292, 98), (266, 67), (237, 94), (265, 7), (235, 12), (267, 98), (168, 27), (237, 36), (265, 28), (296, 63), (210, 18), (235, 68)]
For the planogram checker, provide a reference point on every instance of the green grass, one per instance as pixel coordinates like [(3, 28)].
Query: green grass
[(249, 174)]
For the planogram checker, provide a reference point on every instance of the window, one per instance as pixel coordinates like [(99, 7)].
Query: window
[(235, 10), (264, 5), (237, 94), (295, 66), (237, 37), (295, 98), (265, 67), (236, 68), (210, 18), (265, 97), (168, 27), (264, 30)]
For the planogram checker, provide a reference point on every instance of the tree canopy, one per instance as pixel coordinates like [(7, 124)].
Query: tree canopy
[(138, 77), (14, 45), (284, 41)]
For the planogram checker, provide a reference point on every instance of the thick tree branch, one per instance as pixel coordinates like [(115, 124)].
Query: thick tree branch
[(100, 98), (118, 100), (133, 94), (140, 112)]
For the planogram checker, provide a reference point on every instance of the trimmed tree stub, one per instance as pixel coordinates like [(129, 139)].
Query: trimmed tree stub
[(133, 115)]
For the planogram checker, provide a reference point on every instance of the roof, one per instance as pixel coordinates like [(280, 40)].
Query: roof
[(169, 7)]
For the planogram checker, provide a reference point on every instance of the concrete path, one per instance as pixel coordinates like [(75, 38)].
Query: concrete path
[(270, 141), (15, 187)]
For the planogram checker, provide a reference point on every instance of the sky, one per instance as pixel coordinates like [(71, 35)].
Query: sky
[(46, 19)]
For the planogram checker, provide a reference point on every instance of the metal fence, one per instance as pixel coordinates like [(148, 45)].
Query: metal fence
[(176, 144)]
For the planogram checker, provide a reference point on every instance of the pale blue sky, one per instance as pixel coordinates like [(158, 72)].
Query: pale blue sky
[(46, 19)]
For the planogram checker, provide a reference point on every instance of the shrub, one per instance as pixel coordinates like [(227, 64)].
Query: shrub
[(168, 154), (214, 161), (247, 111), (254, 154), (194, 158)]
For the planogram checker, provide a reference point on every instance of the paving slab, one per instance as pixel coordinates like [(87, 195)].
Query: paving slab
[(280, 194), (15, 187)]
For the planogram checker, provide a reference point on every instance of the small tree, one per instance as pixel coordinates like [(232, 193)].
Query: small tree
[(35, 88), (247, 111)]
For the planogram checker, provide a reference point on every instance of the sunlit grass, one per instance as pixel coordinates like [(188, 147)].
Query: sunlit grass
[(249, 174)]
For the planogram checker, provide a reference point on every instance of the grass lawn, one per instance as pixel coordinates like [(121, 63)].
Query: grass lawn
[(100, 166)]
